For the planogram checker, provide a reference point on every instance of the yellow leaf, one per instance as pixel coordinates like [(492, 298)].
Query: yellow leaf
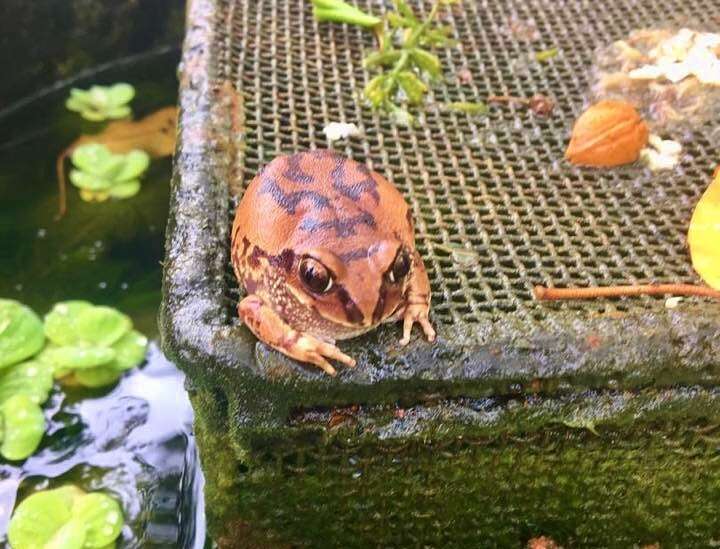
[(704, 235), (154, 134)]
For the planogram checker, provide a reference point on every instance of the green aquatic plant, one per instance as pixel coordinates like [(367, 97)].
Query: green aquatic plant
[(66, 518), (338, 11), (101, 174), (23, 426), (91, 345), (33, 378), (21, 332), (102, 102)]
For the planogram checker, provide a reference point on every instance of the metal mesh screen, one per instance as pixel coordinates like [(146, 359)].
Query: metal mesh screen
[(494, 185)]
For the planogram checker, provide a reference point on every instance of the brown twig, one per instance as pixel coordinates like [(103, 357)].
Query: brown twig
[(507, 99), (62, 185), (543, 293)]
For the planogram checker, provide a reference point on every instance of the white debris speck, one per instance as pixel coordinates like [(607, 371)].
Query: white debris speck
[(672, 302), (687, 53), (646, 72), (340, 130), (661, 154), (665, 146)]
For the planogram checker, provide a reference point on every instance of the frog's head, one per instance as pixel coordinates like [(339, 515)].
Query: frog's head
[(360, 287)]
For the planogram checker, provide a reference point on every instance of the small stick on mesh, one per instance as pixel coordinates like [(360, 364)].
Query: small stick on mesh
[(543, 293)]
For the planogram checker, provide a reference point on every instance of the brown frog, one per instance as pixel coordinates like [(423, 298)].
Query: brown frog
[(325, 250)]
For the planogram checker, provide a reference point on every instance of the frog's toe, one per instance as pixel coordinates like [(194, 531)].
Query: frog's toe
[(310, 349), (331, 351), (419, 314)]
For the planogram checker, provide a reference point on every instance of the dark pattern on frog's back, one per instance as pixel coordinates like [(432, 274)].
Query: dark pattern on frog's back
[(294, 171), (342, 227), (353, 191), (289, 200), (300, 198)]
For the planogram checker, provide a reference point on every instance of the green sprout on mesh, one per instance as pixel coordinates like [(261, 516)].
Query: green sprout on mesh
[(407, 66), (101, 174), (67, 518), (102, 102), (91, 345), (338, 11)]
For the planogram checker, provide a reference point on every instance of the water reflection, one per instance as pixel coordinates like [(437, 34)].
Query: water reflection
[(135, 441)]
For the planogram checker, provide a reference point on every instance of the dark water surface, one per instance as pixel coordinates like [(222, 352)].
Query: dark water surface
[(134, 439)]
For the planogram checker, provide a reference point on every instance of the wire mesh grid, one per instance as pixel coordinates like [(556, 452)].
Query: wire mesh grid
[(493, 191)]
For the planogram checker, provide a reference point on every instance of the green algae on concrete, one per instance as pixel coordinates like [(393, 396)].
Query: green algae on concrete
[(602, 469)]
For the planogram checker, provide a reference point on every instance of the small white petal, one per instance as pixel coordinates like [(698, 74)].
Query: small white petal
[(340, 130)]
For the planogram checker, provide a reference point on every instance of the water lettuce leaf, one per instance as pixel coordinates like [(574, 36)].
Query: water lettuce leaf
[(33, 379), (92, 345), (21, 332), (82, 323), (77, 357), (102, 102), (66, 518), (23, 426), (101, 174)]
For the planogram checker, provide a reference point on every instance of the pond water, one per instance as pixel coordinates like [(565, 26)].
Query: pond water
[(133, 439)]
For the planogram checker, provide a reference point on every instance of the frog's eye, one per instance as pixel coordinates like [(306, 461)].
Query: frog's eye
[(315, 275), (400, 267)]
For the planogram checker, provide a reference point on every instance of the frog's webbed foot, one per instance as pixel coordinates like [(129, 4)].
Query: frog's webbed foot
[(269, 328)]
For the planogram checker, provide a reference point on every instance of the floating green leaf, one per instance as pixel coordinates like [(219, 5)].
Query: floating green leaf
[(78, 357), (341, 12), (102, 102), (101, 174), (21, 332), (66, 518), (96, 377), (91, 345), (23, 426), (102, 517), (81, 322), (129, 350), (33, 379)]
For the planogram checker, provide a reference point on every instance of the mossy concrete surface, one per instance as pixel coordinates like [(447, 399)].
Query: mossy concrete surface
[(601, 469)]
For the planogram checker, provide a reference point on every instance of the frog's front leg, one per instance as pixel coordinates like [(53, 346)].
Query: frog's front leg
[(417, 302), (269, 328)]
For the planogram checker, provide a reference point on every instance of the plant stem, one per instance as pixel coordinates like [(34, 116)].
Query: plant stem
[(543, 293), (411, 42)]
